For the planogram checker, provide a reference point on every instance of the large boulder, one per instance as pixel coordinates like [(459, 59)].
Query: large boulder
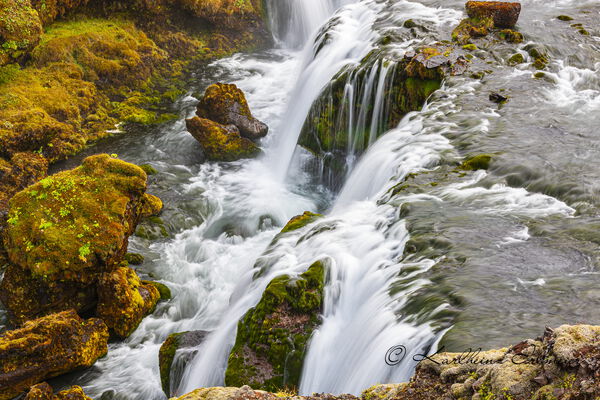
[(227, 105), (65, 232), (174, 354), (43, 391), (124, 300), (271, 338), (221, 142), (504, 14), (48, 347)]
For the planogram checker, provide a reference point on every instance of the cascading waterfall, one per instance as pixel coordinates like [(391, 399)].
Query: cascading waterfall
[(213, 264)]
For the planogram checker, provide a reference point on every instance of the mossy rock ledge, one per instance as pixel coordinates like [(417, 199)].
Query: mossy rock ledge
[(171, 361), (67, 236), (48, 347), (271, 338)]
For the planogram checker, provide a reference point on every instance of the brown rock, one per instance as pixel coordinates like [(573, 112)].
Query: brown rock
[(221, 142), (48, 347), (504, 14), (227, 105), (124, 300), (43, 391)]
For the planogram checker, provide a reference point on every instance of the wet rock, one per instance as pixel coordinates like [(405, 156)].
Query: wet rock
[(152, 205), (167, 356), (134, 258), (271, 338), (470, 28), (43, 391), (564, 363), (64, 232), (124, 300), (165, 292), (480, 161), (300, 221), (564, 18), (227, 105), (504, 14), (516, 59), (221, 142), (498, 98), (48, 347), (149, 169)]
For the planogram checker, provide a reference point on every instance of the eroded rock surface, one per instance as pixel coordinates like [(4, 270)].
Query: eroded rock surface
[(221, 142)]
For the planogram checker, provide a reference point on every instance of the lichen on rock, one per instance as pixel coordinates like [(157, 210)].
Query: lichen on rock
[(124, 300), (221, 142), (65, 231), (227, 105), (48, 347), (272, 337)]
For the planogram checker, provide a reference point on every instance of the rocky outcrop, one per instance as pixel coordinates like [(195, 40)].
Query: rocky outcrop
[(43, 391), (407, 85), (227, 105), (486, 17), (504, 14), (271, 339), (67, 232), (221, 142), (124, 300), (48, 347), (168, 356), (247, 393)]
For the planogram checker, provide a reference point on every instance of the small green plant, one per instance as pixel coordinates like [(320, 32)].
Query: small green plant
[(84, 251)]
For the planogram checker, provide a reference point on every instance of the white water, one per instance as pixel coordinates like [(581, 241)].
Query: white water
[(211, 273)]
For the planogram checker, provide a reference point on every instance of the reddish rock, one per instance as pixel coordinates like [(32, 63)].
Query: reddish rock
[(504, 14)]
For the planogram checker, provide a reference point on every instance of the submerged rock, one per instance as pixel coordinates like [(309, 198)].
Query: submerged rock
[(300, 221), (271, 339), (227, 105), (48, 347), (43, 391), (167, 359), (221, 142), (124, 300), (504, 14)]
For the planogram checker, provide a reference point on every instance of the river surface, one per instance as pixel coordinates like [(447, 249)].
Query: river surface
[(515, 249)]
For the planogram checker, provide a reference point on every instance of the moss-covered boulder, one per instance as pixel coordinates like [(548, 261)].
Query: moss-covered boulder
[(271, 339), (43, 391), (472, 28), (170, 374), (407, 84), (65, 231), (227, 105), (22, 170), (124, 300), (48, 347), (480, 161), (300, 221), (221, 142), (20, 29), (504, 14), (50, 10), (152, 205)]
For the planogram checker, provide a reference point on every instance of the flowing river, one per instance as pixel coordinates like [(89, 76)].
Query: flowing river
[(515, 249)]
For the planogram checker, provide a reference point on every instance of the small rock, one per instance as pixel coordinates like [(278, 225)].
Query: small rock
[(498, 98), (504, 14)]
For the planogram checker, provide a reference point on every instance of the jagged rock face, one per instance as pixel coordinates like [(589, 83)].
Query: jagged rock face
[(48, 347), (227, 105), (67, 230), (271, 338), (562, 364), (504, 14), (124, 300), (43, 391), (167, 356), (221, 142)]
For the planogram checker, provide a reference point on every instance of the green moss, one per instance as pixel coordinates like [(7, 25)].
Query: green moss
[(166, 356), (481, 161), (271, 340), (148, 169), (470, 47), (471, 28), (564, 18), (165, 292), (134, 258), (83, 213), (511, 36), (516, 58), (300, 221)]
